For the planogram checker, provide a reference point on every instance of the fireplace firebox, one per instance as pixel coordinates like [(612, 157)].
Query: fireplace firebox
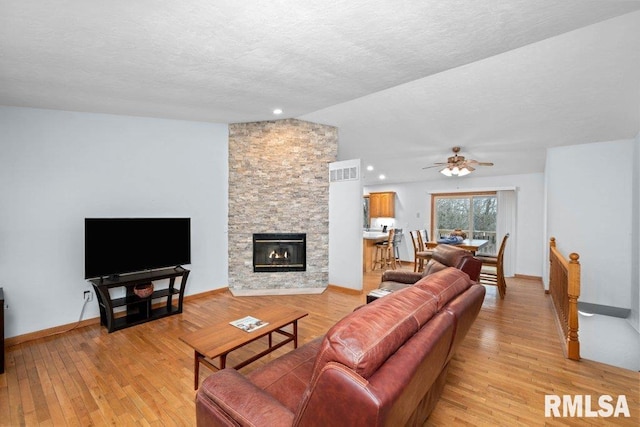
[(274, 252)]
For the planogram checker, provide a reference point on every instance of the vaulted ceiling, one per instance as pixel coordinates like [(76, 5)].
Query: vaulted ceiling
[(403, 81)]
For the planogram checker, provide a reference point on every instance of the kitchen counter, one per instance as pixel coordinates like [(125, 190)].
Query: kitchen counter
[(374, 235), (369, 240)]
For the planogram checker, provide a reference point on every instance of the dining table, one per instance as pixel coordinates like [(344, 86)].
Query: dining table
[(471, 245)]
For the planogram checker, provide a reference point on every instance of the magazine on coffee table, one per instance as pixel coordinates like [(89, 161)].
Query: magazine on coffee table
[(248, 323)]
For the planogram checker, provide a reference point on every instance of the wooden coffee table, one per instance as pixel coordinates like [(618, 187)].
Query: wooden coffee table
[(220, 339)]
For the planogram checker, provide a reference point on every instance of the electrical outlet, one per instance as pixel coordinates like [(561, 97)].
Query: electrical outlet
[(88, 296)]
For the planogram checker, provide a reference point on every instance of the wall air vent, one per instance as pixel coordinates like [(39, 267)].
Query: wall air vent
[(343, 174)]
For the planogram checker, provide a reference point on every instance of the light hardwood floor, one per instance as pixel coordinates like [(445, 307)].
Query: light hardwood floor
[(143, 375)]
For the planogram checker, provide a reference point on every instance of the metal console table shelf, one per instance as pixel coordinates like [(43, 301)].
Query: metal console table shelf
[(139, 310)]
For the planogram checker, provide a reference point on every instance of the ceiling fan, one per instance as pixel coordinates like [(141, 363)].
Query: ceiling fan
[(457, 165)]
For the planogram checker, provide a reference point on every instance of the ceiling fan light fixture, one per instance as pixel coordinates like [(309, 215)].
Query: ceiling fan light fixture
[(464, 171), (455, 171), (446, 171)]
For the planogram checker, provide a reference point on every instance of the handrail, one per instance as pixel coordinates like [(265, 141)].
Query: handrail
[(564, 287)]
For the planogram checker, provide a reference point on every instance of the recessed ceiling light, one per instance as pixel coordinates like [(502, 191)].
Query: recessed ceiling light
[(369, 168), (382, 176), (277, 111)]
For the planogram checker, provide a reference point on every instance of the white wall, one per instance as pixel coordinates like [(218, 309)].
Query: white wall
[(591, 208), (58, 167), (413, 211), (589, 211), (345, 229)]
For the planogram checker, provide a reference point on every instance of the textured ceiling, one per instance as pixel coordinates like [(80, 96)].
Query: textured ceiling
[(404, 81)]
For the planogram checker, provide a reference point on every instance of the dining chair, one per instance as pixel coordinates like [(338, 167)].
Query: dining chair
[(420, 254), (488, 276), (385, 255), (425, 238)]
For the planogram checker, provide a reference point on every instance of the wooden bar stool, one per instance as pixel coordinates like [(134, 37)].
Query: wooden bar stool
[(385, 255), (397, 241)]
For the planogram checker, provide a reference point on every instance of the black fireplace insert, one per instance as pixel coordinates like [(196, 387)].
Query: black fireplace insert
[(274, 252)]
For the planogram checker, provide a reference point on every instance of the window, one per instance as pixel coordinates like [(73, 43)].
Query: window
[(474, 213)]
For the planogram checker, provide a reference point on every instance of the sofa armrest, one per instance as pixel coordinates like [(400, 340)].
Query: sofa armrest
[(228, 398), (407, 277)]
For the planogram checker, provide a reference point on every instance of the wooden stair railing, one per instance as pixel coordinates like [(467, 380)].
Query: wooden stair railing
[(564, 287)]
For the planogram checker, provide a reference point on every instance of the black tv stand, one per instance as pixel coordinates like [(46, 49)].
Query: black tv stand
[(138, 310)]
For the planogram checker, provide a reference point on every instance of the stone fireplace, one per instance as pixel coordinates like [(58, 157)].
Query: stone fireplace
[(279, 184), (276, 252)]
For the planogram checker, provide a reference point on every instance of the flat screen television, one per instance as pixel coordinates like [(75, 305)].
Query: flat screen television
[(114, 246)]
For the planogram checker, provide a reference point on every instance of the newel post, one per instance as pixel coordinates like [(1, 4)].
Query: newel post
[(573, 345), (552, 245)]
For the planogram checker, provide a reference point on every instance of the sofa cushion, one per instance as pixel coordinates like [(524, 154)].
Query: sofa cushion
[(228, 398), (445, 285), (434, 266), (364, 339), (287, 377), (449, 255)]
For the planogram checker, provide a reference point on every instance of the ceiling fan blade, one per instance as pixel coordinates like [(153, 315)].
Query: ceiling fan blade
[(436, 165), (475, 162)]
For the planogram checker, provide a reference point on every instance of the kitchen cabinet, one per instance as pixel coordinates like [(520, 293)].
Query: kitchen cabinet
[(382, 205)]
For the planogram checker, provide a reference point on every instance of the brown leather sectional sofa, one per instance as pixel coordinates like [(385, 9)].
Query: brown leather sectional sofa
[(382, 365), (443, 256)]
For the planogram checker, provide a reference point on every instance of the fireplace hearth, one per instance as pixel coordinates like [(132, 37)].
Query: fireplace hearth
[(277, 252)]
